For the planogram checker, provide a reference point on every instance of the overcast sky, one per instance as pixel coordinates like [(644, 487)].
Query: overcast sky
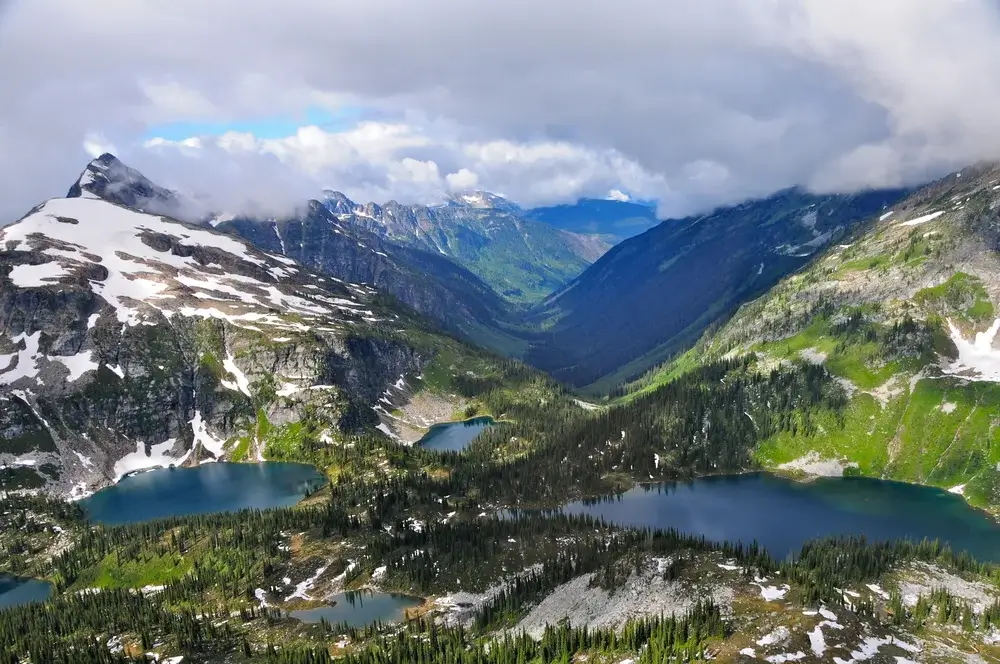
[(695, 104)]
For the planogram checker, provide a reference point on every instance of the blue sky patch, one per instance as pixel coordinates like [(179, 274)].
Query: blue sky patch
[(275, 127)]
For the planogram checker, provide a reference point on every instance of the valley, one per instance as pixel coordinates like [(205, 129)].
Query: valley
[(255, 440)]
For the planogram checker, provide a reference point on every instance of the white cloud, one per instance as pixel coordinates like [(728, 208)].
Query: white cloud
[(379, 161), (462, 180), (699, 103), (95, 145)]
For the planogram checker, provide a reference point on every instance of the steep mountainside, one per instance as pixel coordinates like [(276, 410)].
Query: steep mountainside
[(524, 260), (653, 295), (904, 315), (611, 220), (430, 283), (129, 340)]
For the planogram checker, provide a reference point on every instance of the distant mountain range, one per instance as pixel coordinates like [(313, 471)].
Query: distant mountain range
[(611, 220), (522, 259)]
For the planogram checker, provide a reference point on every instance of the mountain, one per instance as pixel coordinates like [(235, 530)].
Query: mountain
[(106, 177), (432, 284), (903, 313), (131, 340), (653, 295), (484, 200), (612, 220), (521, 259)]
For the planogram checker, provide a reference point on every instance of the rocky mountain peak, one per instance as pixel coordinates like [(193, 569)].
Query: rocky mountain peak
[(110, 179), (484, 200), (337, 202)]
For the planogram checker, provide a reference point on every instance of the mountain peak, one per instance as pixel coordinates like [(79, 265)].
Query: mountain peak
[(108, 178), (338, 203), (484, 200)]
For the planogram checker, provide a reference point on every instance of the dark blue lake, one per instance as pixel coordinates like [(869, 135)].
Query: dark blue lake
[(212, 487), (782, 514), (15, 591), (454, 436), (359, 608)]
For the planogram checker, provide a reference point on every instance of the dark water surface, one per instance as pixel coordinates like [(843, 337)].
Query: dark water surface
[(454, 436), (212, 487), (15, 591), (359, 608), (782, 514)]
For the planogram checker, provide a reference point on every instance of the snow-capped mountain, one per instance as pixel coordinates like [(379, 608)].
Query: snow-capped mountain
[(106, 177), (130, 340), (484, 200)]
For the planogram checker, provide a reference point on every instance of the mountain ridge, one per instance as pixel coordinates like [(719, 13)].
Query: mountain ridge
[(655, 293), (903, 314)]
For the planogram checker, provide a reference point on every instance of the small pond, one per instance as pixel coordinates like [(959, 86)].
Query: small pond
[(15, 591), (360, 608), (454, 436)]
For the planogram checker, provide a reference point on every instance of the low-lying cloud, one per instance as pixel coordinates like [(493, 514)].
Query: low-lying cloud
[(697, 104)]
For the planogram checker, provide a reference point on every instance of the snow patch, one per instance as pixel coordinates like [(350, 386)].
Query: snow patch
[(86, 461), (36, 276), (300, 589), (923, 219), (23, 363), (202, 437), (78, 364), (778, 635), (242, 384), (977, 359), (772, 593), (139, 460)]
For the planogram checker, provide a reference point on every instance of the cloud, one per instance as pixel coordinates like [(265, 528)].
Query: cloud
[(701, 103), (382, 161)]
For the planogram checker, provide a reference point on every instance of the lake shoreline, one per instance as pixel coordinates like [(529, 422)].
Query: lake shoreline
[(782, 513)]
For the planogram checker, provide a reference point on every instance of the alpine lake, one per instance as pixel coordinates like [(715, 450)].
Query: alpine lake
[(229, 487), (454, 436), (780, 514)]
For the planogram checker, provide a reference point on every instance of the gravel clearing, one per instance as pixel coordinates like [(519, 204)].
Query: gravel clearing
[(643, 594), (922, 578), (813, 464)]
